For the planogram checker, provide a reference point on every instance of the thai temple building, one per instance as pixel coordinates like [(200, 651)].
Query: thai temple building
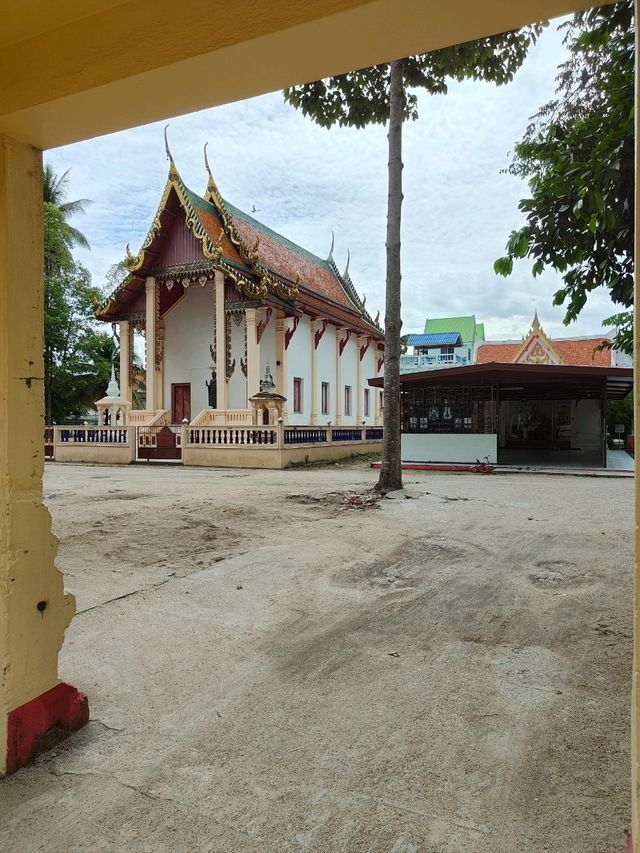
[(445, 342), (258, 353), (538, 348), (529, 401)]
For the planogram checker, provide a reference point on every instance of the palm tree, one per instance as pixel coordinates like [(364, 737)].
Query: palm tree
[(54, 191)]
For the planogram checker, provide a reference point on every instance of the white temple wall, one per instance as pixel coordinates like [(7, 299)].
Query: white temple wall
[(326, 369), (267, 351), (237, 386), (368, 370), (188, 331), (349, 377), (299, 365)]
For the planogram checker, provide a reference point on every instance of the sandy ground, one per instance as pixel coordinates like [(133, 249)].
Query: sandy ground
[(272, 670)]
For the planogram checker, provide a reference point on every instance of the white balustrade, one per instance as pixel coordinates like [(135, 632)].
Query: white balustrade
[(232, 436)]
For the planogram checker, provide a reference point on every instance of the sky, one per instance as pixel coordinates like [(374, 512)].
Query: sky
[(306, 181)]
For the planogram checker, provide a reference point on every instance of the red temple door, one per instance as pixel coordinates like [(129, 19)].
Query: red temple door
[(180, 403)]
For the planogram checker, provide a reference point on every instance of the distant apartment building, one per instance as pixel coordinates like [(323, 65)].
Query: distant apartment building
[(445, 342)]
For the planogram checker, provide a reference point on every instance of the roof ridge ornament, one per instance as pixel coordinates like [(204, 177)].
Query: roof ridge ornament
[(333, 242), (211, 184), (535, 326), (345, 274), (173, 172)]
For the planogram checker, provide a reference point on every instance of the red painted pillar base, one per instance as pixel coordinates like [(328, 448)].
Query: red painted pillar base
[(629, 843), (39, 723)]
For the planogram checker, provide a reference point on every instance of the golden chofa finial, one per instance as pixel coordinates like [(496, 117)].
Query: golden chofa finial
[(173, 172), (211, 184)]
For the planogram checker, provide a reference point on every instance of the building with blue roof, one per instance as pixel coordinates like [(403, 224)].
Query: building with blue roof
[(445, 342)]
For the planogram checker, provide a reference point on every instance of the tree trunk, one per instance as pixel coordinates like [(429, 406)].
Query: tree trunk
[(391, 471)]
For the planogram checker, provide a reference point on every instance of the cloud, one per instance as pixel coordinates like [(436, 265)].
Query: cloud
[(306, 181)]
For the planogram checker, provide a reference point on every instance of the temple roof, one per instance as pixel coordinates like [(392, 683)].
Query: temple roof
[(261, 263), (570, 350), (537, 347)]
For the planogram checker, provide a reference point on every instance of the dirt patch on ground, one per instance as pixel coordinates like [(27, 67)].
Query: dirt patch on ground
[(272, 666)]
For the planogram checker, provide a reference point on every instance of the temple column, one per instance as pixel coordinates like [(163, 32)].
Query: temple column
[(150, 339), (314, 374), (281, 362), (222, 394), (253, 351), (339, 334), (34, 609), (360, 342), (126, 389)]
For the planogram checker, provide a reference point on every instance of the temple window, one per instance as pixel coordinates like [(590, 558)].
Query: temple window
[(324, 398), (347, 399), (297, 394), (366, 402)]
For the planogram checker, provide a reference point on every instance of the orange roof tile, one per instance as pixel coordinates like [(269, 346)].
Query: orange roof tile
[(571, 351)]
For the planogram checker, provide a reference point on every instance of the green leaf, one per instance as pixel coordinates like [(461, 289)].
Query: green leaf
[(503, 266)]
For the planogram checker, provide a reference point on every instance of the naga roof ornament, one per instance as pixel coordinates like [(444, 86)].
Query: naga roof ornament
[(214, 197), (211, 251)]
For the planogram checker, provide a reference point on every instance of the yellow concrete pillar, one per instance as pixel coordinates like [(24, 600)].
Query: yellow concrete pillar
[(126, 389), (635, 694), (253, 352), (221, 344), (314, 374), (150, 337), (34, 609), (281, 361)]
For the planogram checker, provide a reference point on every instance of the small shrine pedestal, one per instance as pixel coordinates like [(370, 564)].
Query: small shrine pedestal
[(113, 409), (267, 404)]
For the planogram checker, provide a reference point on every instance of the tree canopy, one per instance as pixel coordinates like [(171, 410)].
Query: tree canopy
[(77, 357), (386, 93), (578, 156), (360, 98), (54, 192)]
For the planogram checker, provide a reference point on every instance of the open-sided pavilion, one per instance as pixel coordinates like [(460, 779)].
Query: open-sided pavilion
[(72, 70), (506, 411)]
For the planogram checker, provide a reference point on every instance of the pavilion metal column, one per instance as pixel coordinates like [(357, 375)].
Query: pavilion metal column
[(150, 338), (34, 609), (314, 375), (603, 424), (221, 344), (635, 697), (126, 389), (281, 361)]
